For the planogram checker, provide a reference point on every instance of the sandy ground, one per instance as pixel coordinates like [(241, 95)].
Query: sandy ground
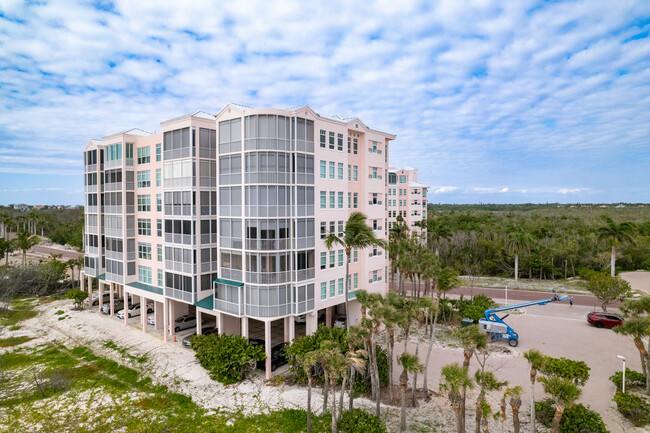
[(555, 329), (176, 367), (639, 280)]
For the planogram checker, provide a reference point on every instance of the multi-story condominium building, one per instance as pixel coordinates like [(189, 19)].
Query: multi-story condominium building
[(406, 198), (224, 217)]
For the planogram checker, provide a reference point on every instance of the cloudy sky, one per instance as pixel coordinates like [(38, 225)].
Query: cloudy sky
[(494, 101)]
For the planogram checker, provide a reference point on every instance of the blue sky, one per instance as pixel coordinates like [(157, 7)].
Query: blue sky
[(494, 102)]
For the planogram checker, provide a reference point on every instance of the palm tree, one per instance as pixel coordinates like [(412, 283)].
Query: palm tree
[(410, 364), (356, 358), (307, 361), (72, 264), (454, 379), (472, 339), (371, 303), (565, 393), (616, 234), (437, 230), (486, 381), (517, 240), (638, 327), (357, 234), (536, 360), (24, 241), (515, 403), (335, 367), (422, 308), (5, 248), (391, 317)]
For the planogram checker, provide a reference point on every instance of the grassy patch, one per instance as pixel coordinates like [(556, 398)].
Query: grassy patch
[(110, 344), (72, 382), (22, 309), (14, 327), (14, 341), (60, 312)]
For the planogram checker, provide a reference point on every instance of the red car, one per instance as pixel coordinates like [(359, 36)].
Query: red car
[(604, 320)]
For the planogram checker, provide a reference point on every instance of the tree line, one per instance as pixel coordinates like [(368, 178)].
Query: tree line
[(547, 243)]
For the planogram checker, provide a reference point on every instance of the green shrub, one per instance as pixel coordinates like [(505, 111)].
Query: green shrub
[(363, 385), (633, 408), (359, 421), (475, 308), (580, 419), (544, 411), (228, 358), (575, 419), (77, 295), (632, 379), (578, 371)]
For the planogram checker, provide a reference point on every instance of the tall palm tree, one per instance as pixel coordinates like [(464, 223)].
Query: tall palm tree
[(391, 317), (518, 240), (536, 360), (357, 234), (423, 306), (24, 241), (454, 379), (515, 403), (356, 337), (307, 361), (410, 364), (565, 393), (335, 367), (486, 382), (472, 339), (616, 234), (437, 231), (5, 248)]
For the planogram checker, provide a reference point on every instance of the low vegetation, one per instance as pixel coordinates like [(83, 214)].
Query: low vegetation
[(228, 358)]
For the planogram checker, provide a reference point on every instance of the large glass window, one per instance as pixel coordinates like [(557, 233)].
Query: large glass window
[(323, 169), (144, 203), (340, 170), (144, 227), (158, 152), (323, 290), (144, 250), (158, 177), (340, 142), (144, 156), (323, 138), (332, 199), (323, 199), (332, 173), (144, 179), (144, 274)]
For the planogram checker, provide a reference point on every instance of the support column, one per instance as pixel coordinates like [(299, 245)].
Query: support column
[(90, 292), (292, 328), (244, 327), (328, 316), (172, 318), (143, 313), (286, 327), (311, 322), (100, 300), (112, 300), (267, 347), (165, 319), (219, 323), (198, 322), (126, 309)]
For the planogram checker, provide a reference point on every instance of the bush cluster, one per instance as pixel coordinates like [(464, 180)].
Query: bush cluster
[(228, 358), (359, 421), (577, 371), (475, 308), (47, 278), (633, 379), (575, 419), (633, 408), (303, 345)]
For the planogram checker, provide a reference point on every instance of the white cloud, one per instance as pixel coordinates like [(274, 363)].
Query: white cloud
[(479, 93)]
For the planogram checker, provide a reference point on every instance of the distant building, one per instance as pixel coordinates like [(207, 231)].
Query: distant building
[(406, 198)]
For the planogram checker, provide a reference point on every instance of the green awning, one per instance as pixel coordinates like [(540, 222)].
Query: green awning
[(206, 303), (101, 277), (228, 282), (146, 287)]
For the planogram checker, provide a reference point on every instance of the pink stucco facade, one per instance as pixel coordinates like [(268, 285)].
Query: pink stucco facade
[(224, 216)]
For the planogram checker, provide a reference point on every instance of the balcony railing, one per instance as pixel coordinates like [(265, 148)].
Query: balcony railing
[(229, 307)]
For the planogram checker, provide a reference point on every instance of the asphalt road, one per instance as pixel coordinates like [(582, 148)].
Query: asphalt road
[(40, 249)]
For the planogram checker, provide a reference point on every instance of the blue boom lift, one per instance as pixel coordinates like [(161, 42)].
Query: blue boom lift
[(497, 329)]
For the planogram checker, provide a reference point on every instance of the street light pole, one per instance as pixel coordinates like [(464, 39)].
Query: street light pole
[(622, 358)]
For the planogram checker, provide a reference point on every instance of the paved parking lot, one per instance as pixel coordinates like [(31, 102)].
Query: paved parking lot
[(559, 331)]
